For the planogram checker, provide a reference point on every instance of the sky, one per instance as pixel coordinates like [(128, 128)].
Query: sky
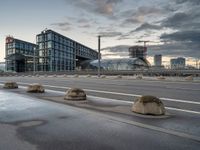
[(171, 26)]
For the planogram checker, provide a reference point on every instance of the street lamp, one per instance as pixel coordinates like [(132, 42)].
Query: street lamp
[(34, 67), (99, 55)]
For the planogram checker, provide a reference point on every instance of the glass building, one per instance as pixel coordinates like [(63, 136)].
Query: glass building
[(19, 55), (58, 53), (117, 64), (177, 63)]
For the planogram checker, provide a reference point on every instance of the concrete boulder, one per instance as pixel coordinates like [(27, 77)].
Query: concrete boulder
[(75, 94), (10, 85), (88, 76), (35, 88), (139, 77), (161, 78), (119, 77), (189, 78), (103, 76), (148, 105), (76, 76)]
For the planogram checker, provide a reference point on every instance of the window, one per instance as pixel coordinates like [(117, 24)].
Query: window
[(49, 36), (49, 45)]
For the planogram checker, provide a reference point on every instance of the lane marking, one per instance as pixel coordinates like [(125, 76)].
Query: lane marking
[(137, 124), (129, 102), (123, 94), (116, 93)]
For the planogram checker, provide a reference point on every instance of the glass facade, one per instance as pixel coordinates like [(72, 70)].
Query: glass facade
[(19, 55), (59, 53), (117, 64)]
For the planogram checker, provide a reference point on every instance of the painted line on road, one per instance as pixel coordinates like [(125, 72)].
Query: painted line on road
[(135, 123), (123, 94), (129, 102), (116, 93)]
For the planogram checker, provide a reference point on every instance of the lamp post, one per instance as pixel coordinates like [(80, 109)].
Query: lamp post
[(34, 67), (99, 55)]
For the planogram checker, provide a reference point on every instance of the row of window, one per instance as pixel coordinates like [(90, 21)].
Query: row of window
[(20, 45), (13, 51), (56, 38)]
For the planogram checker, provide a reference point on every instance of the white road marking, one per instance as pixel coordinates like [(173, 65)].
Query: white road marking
[(117, 93), (129, 102), (125, 94), (138, 124)]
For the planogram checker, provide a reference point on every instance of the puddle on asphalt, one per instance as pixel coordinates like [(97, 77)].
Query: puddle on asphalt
[(31, 123)]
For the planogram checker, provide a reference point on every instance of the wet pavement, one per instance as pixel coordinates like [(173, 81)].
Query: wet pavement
[(28, 123)]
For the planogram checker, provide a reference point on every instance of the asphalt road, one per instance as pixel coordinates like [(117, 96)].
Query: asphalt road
[(124, 89), (28, 123)]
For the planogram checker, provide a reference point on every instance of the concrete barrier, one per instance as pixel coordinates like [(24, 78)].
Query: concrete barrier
[(139, 77), (76, 76), (189, 78), (10, 85), (75, 94), (161, 78), (35, 88), (103, 76), (148, 105), (119, 77), (88, 76)]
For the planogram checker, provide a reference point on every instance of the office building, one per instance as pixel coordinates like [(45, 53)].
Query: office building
[(2, 66), (158, 60), (19, 55), (59, 53), (177, 63), (137, 52)]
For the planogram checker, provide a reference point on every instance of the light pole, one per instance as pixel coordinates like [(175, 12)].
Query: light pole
[(34, 67), (99, 55)]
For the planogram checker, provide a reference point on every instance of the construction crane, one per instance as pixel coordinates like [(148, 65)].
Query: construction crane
[(144, 42)]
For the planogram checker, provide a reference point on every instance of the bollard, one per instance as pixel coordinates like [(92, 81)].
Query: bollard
[(75, 94), (148, 105), (10, 85), (35, 88)]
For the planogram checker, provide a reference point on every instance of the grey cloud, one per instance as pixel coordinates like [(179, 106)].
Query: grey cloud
[(118, 48), (110, 34), (61, 24), (103, 7), (85, 26), (137, 16), (65, 26), (143, 27), (147, 26), (182, 20), (186, 36), (196, 2)]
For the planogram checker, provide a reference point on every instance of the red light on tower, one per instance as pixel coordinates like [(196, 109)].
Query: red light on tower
[(9, 39)]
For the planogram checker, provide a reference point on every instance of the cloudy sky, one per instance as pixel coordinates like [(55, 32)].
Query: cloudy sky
[(172, 26)]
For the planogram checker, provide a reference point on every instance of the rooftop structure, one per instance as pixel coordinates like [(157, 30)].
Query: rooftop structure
[(138, 52)]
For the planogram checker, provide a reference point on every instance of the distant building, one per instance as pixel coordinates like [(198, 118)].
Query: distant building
[(2, 66), (158, 60), (116, 64), (58, 53), (19, 55), (137, 52), (177, 63)]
